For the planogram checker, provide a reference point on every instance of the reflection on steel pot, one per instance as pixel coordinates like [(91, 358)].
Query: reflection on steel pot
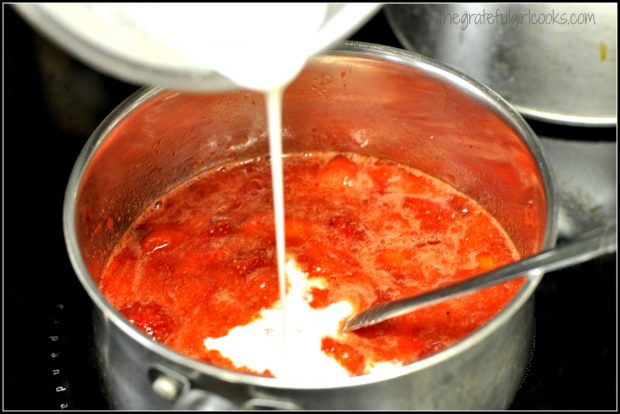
[(409, 110), (553, 62)]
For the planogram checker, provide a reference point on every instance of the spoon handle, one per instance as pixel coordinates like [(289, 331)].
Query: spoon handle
[(593, 244)]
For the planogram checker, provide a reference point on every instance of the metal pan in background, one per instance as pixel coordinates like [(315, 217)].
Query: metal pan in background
[(552, 62)]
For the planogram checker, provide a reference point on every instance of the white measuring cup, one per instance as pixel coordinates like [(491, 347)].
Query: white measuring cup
[(197, 46)]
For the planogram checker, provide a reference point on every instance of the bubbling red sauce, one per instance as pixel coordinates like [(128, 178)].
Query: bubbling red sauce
[(200, 261)]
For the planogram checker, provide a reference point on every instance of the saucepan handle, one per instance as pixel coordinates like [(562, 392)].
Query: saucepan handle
[(202, 400), (197, 399)]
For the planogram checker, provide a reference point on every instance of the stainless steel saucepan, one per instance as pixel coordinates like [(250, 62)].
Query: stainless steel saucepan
[(362, 98)]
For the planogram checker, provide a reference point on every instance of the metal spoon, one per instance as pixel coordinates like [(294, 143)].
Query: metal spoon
[(593, 244)]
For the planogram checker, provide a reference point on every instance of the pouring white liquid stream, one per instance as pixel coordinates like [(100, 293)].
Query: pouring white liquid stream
[(274, 120)]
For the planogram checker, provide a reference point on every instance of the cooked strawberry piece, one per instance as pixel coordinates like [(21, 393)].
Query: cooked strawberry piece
[(117, 280), (297, 231), (256, 187), (338, 174), (385, 295), (485, 262), (319, 298), (319, 259), (220, 229), (392, 259), (346, 355), (460, 206), (266, 288), (163, 237), (149, 318), (245, 263), (193, 291), (260, 227), (199, 261), (433, 217), (416, 185), (384, 174), (390, 177), (347, 227)]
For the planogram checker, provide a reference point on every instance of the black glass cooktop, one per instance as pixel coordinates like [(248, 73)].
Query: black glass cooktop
[(52, 103)]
